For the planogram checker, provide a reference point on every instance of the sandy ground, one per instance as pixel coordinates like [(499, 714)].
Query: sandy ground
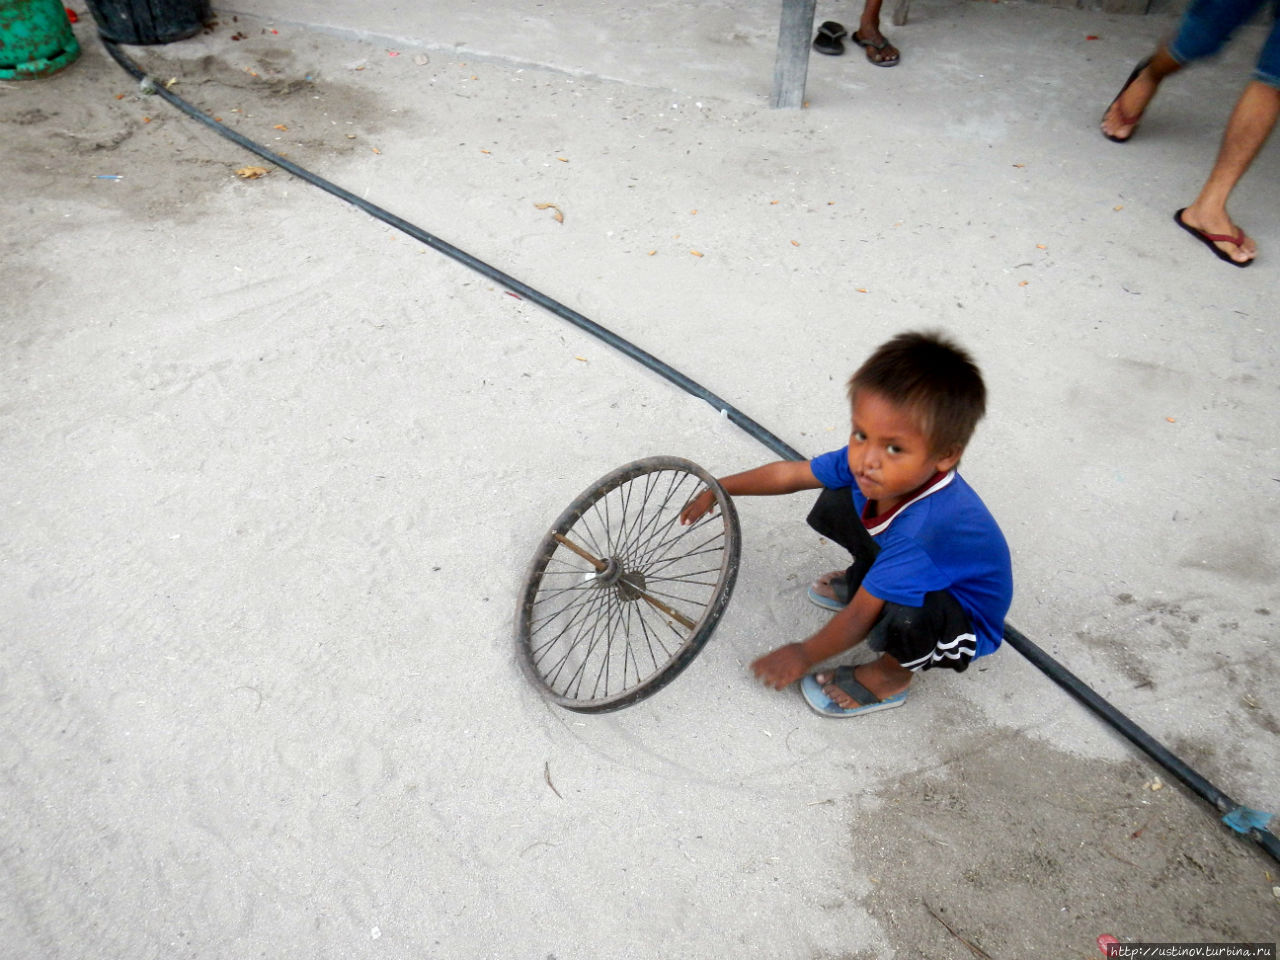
[(274, 472)]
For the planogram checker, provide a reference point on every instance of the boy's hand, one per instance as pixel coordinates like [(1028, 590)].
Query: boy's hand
[(784, 666), (696, 507)]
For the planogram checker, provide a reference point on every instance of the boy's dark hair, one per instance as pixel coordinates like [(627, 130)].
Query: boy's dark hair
[(936, 380)]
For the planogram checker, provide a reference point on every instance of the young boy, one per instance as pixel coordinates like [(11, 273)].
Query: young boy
[(930, 582)]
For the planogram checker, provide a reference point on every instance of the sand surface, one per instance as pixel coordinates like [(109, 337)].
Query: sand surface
[(274, 472)]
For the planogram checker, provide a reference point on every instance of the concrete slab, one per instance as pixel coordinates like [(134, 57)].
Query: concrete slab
[(277, 471)]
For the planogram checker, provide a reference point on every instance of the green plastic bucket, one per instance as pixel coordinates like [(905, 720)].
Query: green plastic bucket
[(35, 39)]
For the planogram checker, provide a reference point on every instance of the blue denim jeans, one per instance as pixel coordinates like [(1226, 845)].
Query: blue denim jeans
[(1208, 24)]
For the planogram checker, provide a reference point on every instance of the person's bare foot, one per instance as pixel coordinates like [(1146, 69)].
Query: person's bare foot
[(883, 680), (823, 587), (1125, 112), (879, 50), (1218, 223)]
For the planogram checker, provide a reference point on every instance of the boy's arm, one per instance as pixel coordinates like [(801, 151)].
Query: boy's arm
[(784, 476), (848, 627)]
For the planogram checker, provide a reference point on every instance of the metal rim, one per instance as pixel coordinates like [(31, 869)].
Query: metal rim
[(620, 597)]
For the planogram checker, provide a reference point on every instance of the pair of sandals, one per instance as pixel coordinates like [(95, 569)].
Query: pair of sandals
[(830, 40)]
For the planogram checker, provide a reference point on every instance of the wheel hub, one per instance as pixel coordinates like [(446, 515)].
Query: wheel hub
[(629, 583)]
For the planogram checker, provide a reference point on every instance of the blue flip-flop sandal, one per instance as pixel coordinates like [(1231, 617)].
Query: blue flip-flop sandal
[(839, 586), (868, 702)]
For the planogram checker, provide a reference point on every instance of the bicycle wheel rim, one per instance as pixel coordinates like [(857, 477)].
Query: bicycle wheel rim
[(596, 640)]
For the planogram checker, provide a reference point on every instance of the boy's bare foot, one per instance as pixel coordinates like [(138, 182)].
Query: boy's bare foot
[(823, 588), (825, 594), (883, 679), (1211, 224)]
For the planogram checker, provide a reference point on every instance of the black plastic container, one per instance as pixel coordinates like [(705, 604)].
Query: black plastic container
[(145, 22)]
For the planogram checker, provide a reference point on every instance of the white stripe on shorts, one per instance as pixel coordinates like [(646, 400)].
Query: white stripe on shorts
[(964, 645)]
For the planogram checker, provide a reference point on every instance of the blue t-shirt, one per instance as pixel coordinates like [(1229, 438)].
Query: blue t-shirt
[(943, 539)]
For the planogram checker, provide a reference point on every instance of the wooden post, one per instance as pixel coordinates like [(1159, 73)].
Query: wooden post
[(792, 65)]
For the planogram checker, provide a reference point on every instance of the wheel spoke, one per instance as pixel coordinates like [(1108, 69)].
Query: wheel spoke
[(655, 526), (663, 548), (650, 639), (705, 550), (583, 604), (576, 593), (664, 608), (552, 672), (599, 548), (661, 551), (686, 577), (574, 682)]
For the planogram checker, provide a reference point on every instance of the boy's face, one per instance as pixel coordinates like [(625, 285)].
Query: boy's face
[(888, 455)]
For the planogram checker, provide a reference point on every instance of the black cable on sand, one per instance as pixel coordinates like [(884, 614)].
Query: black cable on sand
[(1243, 820)]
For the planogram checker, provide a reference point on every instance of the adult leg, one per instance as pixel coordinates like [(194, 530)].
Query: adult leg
[(1250, 125), (1204, 29), (879, 50)]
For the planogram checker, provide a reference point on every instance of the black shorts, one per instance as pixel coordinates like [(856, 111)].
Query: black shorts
[(937, 634)]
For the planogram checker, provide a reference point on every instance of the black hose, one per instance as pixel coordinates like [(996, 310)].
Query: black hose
[(1235, 816), (466, 259), (1241, 819)]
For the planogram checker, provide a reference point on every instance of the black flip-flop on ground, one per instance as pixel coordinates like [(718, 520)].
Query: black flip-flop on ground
[(1211, 240), (1127, 121), (829, 39), (874, 45)]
